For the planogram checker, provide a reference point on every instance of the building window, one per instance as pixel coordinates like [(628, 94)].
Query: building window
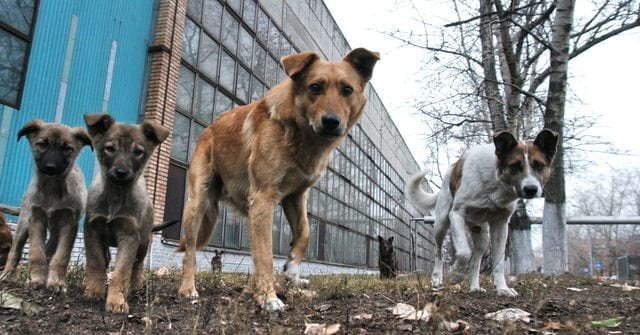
[(17, 19)]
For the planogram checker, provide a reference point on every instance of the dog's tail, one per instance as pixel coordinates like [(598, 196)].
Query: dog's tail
[(164, 225), (205, 230), (423, 200)]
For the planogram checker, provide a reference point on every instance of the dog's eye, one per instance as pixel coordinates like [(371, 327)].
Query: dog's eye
[(42, 145), (537, 166), (346, 91), (515, 167), (138, 153), (109, 149), (315, 88), (67, 149)]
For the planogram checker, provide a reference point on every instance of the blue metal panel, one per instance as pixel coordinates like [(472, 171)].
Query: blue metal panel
[(99, 24)]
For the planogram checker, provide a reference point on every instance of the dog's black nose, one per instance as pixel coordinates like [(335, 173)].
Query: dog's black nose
[(120, 173), (330, 121), (50, 168), (530, 191)]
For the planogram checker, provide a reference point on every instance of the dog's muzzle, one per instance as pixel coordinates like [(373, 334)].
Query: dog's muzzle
[(120, 176), (530, 192), (51, 169), (330, 126)]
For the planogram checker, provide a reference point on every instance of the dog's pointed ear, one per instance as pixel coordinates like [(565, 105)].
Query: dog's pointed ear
[(30, 127), (380, 238), (504, 142), (297, 63), (547, 141), (363, 61), (390, 239), (98, 124), (156, 133), (81, 135)]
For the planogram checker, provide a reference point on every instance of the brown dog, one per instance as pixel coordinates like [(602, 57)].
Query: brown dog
[(271, 151), (53, 203), (119, 212), (5, 241)]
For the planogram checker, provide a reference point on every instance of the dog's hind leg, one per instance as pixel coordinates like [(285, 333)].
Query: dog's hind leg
[(37, 255), (499, 234), (260, 224), (199, 220), (295, 209), (67, 228), (480, 236), (15, 253)]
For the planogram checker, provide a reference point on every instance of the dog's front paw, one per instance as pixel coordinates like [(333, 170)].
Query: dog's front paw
[(56, 285), (507, 292), (274, 305), (188, 292), (477, 289), (35, 282), (116, 304), (436, 281), (292, 273)]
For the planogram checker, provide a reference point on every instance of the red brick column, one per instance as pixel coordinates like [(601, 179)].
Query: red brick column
[(164, 55)]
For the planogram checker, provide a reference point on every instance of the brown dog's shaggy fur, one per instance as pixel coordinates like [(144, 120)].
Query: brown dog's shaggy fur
[(272, 151)]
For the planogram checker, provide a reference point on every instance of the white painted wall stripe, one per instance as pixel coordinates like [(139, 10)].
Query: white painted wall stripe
[(109, 80), (66, 70)]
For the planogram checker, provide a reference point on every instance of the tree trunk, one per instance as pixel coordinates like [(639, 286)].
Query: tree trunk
[(554, 222), (491, 89), (522, 258)]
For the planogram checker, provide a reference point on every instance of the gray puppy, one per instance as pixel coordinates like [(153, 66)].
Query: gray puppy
[(55, 200), (119, 212)]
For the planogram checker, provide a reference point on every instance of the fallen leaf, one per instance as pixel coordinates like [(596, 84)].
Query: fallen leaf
[(456, 326), (8, 300), (553, 325), (323, 307), (509, 314), (408, 312), (362, 316), (321, 328), (627, 288), (405, 327), (608, 323), (575, 289), (163, 271), (309, 294)]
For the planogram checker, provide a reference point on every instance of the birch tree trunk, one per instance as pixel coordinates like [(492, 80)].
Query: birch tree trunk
[(554, 236), (522, 257)]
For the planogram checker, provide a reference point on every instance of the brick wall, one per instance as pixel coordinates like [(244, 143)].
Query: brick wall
[(164, 55), (163, 254)]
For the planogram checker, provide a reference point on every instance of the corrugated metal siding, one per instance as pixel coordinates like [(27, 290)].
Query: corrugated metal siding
[(99, 23)]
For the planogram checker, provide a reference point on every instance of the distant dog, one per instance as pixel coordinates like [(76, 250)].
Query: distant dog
[(6, 239), (387, 261), (479, 196), (54, 201), (272, 151), (216, 261), (119, 211)]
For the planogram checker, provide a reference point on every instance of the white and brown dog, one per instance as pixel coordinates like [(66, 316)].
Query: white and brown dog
[(477, 200)]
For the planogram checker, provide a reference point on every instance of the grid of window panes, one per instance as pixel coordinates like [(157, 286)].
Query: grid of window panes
[(17, 18), (230, 58)]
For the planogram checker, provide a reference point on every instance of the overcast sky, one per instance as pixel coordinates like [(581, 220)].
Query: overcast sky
[(605, 78)]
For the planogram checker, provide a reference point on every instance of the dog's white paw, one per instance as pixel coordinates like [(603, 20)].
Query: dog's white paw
[(292, 273), (436, 281), (507, 292), (188, 293), (274, 305), (478, 289)]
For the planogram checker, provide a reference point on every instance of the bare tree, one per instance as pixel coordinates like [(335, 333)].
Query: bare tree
[(488, 68)]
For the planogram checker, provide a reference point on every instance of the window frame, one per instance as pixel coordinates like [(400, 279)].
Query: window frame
[(27, 55)]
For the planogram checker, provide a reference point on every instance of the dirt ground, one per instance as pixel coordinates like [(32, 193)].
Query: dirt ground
[(225, 307)]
